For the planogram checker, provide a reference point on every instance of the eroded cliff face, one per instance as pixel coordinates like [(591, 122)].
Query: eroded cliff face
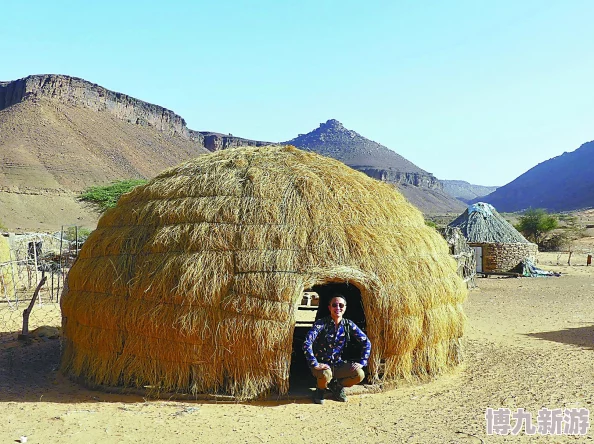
[(79, 92), (216, 141), (423, 180), (60, 134)]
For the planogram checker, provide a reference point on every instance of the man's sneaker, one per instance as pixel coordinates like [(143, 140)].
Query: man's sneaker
[(333, 386), (318, 397), (339, 394), (337, 390)]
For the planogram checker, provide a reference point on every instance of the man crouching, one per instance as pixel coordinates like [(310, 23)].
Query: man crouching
[(323, 347)]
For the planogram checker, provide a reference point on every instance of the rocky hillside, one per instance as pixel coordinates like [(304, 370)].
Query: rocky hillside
[(563, 183), (78, 92), (465, 191), (83, 94), (217, 141), (420, 187), (60, 134)]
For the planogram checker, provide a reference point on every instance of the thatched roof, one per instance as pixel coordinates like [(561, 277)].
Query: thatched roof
[(192, 282), (481, 223)]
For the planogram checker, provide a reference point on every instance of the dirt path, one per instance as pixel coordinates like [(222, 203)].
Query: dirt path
[(529, 343)]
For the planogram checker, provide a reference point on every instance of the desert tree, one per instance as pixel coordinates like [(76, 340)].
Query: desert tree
[(536, 225), (572, 231)]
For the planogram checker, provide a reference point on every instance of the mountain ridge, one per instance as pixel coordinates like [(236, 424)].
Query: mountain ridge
[(421, 188), (77, 91), (60, 134), (562, 183), (465, 191), (80, 92), (332, 138)]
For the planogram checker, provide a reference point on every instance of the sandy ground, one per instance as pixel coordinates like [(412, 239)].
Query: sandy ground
[(529, 343), (44, 212)]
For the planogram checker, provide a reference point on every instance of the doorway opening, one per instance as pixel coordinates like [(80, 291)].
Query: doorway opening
[(352, 295), (301, 379)]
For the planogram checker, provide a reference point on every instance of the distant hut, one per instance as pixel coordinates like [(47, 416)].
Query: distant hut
[(192, 283), (498, 246)]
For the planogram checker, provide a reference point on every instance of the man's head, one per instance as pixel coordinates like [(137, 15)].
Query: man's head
[(337, 305)]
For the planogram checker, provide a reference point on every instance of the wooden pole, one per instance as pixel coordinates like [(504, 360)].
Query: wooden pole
[(16, 298), (27, 311), (28, 268), (60, 264), (36, 265)]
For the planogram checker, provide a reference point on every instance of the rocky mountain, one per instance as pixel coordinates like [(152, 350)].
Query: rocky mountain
[(465, 191), (60, 134), (218, 141), (420, 187), (563, 183)]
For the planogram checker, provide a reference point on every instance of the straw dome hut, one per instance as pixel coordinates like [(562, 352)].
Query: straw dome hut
[(499, 247), (191, 283)]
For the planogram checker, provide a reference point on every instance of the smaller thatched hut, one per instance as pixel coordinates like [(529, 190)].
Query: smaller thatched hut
[(498, 246)]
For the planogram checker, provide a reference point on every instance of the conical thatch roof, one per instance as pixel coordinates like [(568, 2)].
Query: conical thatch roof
[(481, 223), (191, 283)]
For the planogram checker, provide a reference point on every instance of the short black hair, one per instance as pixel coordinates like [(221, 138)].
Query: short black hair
[(337, 295)]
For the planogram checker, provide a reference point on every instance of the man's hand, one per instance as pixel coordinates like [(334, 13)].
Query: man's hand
[(355, 366), (322, 367)]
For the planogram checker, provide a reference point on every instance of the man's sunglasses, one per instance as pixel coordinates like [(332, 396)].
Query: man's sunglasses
[(338, 305)]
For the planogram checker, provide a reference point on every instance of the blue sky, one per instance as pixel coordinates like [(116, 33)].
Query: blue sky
[(473, 90)]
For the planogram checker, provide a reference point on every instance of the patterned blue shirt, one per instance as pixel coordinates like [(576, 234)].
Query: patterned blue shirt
[(324, 343)]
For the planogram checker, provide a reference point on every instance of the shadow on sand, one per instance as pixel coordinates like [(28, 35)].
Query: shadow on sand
[(29, 372), (579, 336)]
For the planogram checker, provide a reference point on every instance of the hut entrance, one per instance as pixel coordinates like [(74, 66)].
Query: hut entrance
[(350, 292), (301, 378)]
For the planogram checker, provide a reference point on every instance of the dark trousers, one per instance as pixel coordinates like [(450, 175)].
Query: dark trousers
[(342, 373)]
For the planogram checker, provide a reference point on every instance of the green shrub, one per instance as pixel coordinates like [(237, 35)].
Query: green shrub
[(105, 197), (431, 224)]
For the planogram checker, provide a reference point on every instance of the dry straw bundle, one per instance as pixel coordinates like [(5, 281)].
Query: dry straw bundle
[(192, 282)]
